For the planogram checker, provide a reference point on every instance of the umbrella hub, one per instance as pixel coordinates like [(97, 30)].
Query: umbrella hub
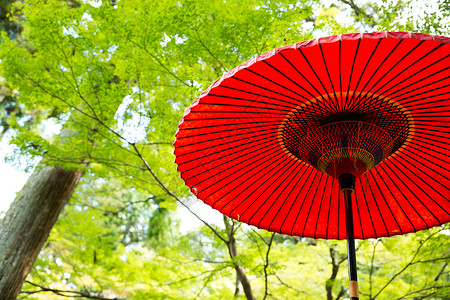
[(346, 140), (352, 147)]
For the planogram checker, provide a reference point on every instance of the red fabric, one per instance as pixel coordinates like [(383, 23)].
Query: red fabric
[(228, 152)]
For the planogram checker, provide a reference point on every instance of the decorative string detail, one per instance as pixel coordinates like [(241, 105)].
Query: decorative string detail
[(352, 139)]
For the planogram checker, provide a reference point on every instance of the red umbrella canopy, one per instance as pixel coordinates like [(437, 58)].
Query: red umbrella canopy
[(266, 142)]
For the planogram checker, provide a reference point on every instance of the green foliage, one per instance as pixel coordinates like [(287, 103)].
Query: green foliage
[(117, 79)]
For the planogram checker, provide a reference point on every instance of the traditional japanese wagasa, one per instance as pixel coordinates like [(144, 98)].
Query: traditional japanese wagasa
[(340, 137)]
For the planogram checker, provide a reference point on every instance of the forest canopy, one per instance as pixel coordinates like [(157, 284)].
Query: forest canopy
[(99, 88)]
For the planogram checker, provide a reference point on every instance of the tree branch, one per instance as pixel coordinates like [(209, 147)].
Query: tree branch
[(158, 61), (232, 250), (288, 286), (168, 192), (266, 264), (371, 268), (210, 53), (423, 290), (196, 276), (410, 263), (64, 293)]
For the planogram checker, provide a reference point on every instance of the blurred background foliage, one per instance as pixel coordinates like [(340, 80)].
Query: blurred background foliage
[(101, 85)]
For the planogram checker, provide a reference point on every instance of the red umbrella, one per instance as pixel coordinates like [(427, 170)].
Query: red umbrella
[(282, 141)]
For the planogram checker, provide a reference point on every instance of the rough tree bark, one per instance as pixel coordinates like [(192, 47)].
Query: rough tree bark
[(29, 221)]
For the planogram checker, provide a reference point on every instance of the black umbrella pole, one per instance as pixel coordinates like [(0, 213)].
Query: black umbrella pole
[(347, 186)]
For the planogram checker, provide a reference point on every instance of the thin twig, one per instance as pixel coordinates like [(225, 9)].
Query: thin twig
[(422, 290), (410, 263), (288, 286), (64, 293), (210, 53), (371, 268), (169, 193), (196, 276)]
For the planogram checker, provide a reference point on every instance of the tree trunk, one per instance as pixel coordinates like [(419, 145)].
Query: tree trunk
[(29, 221), (240, 272), (334, 271)]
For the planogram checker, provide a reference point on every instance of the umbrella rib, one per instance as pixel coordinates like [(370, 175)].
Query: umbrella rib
[(375, 72), (311, 112), (245, 106), (419, 187), (448, 213), (233, 118), (293, 202), (252, 100), (367, 206), (359, 216), (275, 155), (413, 142), (228, 124), (313, 199), (416, 121), (412, 103), (418, 88), (295, 68), (276, 199), (407, 177), (303, 202), (358, 97), (339, 215), (321, 83), (288, 78), (284, 161), (227, 183), (276, 111), (384, 114), (379, 66), (270, 135), (264, 147), (276, 83), (395, 199), (397, 63), (286, 165), (385, 201), (419, 138), (401, 192), (320, 206), (221, 138), (329, 208), (340, 74), (427, 131), (404, 69), (289, 184), (434, 171), (329, 78), (420, 79), (376, 204), (426, 118), (416, 61), (272, 155), (269, 126), (270, 90), (351, 74)]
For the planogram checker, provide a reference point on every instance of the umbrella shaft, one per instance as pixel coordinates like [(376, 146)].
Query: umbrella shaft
[(352, 272)]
